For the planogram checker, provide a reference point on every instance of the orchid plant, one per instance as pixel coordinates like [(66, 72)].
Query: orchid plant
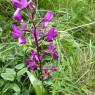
[(38, 33)]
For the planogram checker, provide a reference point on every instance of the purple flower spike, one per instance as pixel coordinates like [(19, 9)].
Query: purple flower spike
[(52, 34), (22, 40), (17, 15)]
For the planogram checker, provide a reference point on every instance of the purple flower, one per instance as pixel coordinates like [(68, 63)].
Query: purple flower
[(21, 4), (29, 60), (52, 34), (17, 15), (44, 26), (46, 75), (55, 55), (34, 55), (22, 40), (53, 68), (47, 18), (16, 3), (31, 65), (24, 26), (18, 34), (51, 50)]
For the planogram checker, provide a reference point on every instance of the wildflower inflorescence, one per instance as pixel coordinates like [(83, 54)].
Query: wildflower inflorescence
[(36, 60)]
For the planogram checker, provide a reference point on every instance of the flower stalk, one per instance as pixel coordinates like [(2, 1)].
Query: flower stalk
[(37, 48)]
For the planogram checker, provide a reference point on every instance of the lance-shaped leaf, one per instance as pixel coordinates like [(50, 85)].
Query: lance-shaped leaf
[(39, 89)]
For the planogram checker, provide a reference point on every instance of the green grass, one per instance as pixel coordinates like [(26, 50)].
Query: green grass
[(75, 22)]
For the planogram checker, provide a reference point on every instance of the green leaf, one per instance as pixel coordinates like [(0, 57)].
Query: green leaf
[(15, 87), (22, 71), (6, 87), (36, 84), (1, 82), (9, 74), (12, 86), (19, 66)]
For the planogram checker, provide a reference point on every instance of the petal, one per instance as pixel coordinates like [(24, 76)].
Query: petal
[(24, 3), (51, 47), (55, 56), (33, 52), (48, 17), (22, 40), (23, 26), (16, 35), (32, 66), (15, 27), (47, 52), (49, 38), (17, 15), (16, 3), (41, 56), (51, 34), (53, 68), (29, 60), (44, 26)]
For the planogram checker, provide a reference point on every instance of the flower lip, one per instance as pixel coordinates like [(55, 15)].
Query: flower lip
[(22, 40), (55, 55), (17, 15), (48, 17), (32, 66), (16, 32), (16, 3), (21, 4), (52, 33), (53, 68), (51, 50)]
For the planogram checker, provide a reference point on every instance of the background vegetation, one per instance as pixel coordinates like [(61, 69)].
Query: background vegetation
[(75, 21)]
